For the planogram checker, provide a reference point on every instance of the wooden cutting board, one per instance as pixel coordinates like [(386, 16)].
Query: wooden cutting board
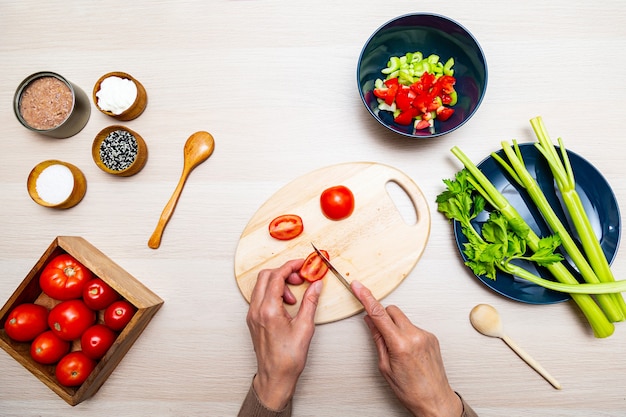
[(375, 245)]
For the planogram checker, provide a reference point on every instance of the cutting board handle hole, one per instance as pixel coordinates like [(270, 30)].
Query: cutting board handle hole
[(402, 201)]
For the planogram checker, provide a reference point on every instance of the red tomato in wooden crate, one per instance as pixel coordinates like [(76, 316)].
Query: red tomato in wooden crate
[(48, 348), (63, 278), (96, 341), (26, 321), (98, 295), (118, 314), (69, 319), (74, 368)]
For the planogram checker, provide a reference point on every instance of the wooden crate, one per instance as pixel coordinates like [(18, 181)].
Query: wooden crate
[(146, 302)]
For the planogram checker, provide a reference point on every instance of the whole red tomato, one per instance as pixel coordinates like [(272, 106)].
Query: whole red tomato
[(337, 202), (97, 340), (64, 277), (98, 295), (118, 314), (314, 267), (69, 319), (74, 368), (48, 348), (26, 321)]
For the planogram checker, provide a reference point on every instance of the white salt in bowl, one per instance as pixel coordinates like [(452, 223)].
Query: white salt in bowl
[(56, 184)]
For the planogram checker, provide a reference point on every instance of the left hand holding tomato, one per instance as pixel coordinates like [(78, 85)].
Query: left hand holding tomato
[(281, 342)]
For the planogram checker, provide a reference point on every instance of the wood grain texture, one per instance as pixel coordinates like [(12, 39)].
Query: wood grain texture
[(374, 238), (274, 81)]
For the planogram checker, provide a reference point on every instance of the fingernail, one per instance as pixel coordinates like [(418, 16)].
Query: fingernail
[(357, 285), (317, 287)]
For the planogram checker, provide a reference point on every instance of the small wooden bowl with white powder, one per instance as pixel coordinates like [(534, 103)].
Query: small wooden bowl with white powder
[(120, 95), (56, 184), (118, 150)]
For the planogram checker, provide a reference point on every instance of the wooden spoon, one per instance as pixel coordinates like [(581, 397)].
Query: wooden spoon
[(486, 320), (198, 148)]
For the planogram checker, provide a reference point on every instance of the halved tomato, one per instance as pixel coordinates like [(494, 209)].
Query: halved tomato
[(314, 267), (286, 227)]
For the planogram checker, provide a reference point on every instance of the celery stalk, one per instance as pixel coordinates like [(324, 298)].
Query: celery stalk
[(521, 175), (603, 288), (564, 177), (598, 321)]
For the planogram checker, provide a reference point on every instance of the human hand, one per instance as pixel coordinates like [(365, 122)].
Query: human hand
[(409, 359), (281, 342)]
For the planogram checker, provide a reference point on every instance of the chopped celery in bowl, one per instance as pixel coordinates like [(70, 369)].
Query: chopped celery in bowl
[(437, 38)]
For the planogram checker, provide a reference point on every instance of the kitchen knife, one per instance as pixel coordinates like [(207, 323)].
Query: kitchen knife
[(334, 270)]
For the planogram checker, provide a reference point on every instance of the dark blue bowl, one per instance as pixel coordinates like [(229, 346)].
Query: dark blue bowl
[(428, 34)]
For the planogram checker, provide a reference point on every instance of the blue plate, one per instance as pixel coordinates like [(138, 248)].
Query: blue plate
[(598, 200)]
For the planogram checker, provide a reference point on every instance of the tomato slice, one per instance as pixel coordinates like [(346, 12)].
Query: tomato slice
[(286, 227), (444, 113), (422, 124), (314, 268), (404, 97), (388, 94), (447, 83), (406, 117)]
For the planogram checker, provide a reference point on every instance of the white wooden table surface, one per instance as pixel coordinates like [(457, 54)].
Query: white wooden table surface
[(275, 82)]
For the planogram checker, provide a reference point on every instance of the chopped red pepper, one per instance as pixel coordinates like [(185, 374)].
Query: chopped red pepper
[(404, 97), (423, 99), (444, 113), (406, 117), (447, 83), (388, 94)]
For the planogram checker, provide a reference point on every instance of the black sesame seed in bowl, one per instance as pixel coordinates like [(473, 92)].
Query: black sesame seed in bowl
[(120, 151)]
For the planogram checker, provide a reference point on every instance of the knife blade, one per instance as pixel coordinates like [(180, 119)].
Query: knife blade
[(334, 270)]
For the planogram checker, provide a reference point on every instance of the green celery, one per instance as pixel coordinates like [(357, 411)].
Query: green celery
[(598, 321), (447, 68), (564, 177), (602, 288), (520, 174)]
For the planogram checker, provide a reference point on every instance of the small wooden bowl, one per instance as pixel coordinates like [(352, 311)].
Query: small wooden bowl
[(140, 158), (77, 194), (135, 109)]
